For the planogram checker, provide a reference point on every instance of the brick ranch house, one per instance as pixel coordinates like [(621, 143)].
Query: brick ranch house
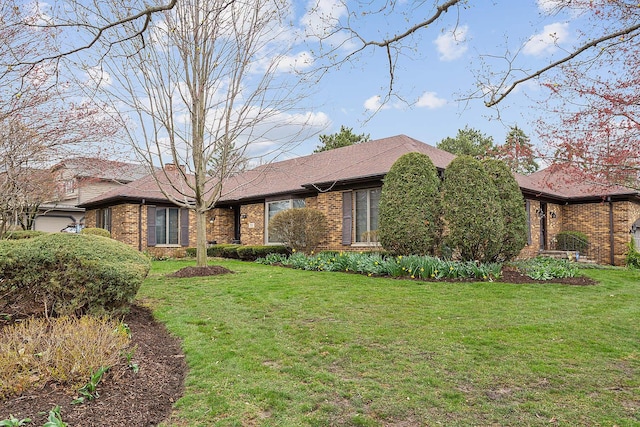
[(345, 185)]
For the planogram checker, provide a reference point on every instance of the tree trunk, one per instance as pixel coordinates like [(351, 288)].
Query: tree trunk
[(201, 238)]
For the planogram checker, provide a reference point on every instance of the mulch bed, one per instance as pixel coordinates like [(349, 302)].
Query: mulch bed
[(146, 398), (210, 270), (511, 275), (126, 398)]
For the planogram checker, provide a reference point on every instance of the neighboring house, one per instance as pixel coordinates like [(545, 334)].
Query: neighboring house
[(345, 185), (80, 179)]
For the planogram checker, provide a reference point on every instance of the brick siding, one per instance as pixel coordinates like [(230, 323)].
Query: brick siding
[(589, 218)]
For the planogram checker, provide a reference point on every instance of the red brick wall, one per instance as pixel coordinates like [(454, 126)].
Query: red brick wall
[(128, 221), (589, 218)]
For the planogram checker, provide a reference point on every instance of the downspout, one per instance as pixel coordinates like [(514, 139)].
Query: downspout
[(611, 235), (140, 225)]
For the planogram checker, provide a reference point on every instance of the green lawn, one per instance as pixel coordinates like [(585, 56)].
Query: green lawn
[(270, 346)]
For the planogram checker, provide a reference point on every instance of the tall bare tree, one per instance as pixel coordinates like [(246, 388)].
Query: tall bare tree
[(212, 84)]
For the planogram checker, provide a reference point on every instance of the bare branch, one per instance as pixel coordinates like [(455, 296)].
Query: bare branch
[(629, 30), (147, 13)]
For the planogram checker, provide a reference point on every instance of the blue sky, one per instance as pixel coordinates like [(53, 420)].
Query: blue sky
[(440, 70), (438, 66)]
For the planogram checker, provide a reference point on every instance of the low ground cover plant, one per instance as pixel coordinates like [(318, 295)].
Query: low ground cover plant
[(545, 268), (376, 264), (64, 350)]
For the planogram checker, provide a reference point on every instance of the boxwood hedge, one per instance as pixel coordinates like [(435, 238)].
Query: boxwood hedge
[(68, 273)]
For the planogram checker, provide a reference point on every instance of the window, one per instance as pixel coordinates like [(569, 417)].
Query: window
[(279, 206), (366, 217), (167, 226), (103, 219), (69, 186)]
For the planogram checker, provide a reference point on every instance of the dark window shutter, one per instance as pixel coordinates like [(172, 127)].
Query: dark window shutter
[(98, 219), (527, 205), (347, 222), (151, 226), (184, 227)]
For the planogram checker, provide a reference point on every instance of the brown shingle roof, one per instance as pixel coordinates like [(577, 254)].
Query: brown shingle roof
[(91, 167), (143, 189), (366, 160), (570, 183)]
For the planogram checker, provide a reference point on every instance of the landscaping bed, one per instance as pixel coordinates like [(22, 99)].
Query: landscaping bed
[(126, 398)]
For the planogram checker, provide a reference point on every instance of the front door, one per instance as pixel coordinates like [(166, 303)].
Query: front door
[(542, 214), (236, 224)]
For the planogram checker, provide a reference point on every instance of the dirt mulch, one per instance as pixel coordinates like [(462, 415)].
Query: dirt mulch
[(126, 398), (210, 270), (511, 275)]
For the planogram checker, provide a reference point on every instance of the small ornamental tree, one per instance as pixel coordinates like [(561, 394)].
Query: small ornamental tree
[(512, 207), (410, 207), (301, 229), (472, 211)]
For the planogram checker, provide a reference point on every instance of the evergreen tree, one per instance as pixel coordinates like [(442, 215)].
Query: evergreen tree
[(410, 211), (468, 141), (512, 207), (472, 211), (344, 138), (517, 152)]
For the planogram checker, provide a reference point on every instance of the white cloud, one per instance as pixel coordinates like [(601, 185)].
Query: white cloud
[(548, 40), (374, 103), (322, 16), (452, 44), (297, 62), (430, 100), (99, 76)]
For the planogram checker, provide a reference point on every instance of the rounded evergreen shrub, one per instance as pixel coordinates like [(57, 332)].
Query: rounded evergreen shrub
[(472, 211), (410, 207), (22, 234), (302, 229), (68, 273), (96, 231), (512, 208)]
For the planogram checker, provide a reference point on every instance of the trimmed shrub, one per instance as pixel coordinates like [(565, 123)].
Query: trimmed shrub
[(472, 211), (572, 241), (96, 231), (230, 251), (410, 207), (251, 253), (68, 273), (512, 208), (302, 229), (221, 250), (22, 234)]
